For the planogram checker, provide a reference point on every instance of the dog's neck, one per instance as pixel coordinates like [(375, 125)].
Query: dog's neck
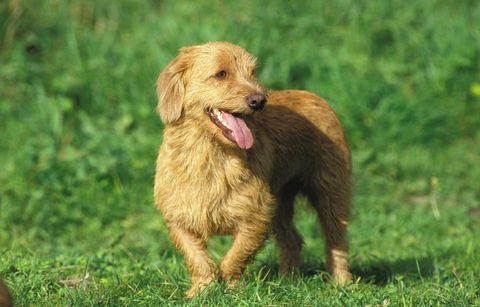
[(195, 154)]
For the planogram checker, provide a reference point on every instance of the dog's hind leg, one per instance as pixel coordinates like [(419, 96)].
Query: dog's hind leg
[(289, 241), (194, 250), (331, 200)]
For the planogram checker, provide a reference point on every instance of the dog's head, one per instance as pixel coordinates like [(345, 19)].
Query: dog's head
[(213, 82)]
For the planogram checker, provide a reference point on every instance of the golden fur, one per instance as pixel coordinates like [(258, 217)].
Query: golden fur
[(206, 185)]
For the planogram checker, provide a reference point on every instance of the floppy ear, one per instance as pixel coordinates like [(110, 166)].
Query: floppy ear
[(171, 90)]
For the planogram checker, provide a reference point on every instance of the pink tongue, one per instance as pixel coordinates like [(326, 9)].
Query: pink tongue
[(240, 132)]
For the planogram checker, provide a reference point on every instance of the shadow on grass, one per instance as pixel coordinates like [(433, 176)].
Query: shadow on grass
[(379, 273), (383, 272)]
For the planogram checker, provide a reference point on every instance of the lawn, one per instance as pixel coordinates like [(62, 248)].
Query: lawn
[(79, 137)]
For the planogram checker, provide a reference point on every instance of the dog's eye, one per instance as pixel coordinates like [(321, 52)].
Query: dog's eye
[(254, 72), (221, 75)]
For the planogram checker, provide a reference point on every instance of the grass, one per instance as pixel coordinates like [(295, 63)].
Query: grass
[(78, 139)]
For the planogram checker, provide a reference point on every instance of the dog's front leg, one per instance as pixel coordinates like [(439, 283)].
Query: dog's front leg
[(247, 241), (194, 250)]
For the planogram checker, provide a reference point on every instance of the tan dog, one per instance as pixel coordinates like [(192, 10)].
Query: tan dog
[(5, 297), (226, 169)]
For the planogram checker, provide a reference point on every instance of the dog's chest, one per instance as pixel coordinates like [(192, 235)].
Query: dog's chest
[(207, 193)]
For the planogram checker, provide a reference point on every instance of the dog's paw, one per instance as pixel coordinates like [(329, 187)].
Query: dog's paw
[(232, 282), (342, 278), (231, 279), (198, 286), (194, 290)]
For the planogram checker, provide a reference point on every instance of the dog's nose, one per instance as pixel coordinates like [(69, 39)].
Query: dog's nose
[(256, 101)]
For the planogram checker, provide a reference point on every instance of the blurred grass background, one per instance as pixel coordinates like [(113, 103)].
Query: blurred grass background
[(79, 135)]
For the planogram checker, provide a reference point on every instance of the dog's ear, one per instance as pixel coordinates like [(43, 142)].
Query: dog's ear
[(171, 89)]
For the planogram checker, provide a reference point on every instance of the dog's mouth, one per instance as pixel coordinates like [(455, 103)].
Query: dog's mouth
[(233, 127)]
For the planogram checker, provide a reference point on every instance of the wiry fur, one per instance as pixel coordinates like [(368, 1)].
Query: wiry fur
[(206, 185)]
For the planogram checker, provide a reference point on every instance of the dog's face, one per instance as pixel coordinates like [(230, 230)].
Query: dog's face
[(214, 82)]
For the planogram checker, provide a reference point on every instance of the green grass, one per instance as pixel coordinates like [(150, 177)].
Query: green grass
[(78, 141)]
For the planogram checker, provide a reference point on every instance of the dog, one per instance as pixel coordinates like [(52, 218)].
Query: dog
[(5, 297), (232, 164)]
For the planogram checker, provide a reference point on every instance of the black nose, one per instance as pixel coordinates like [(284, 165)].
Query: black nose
[(256, 101)]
